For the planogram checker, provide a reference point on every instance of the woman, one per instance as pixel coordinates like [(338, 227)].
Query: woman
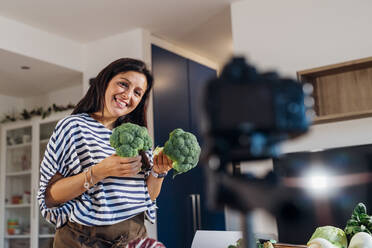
[(94, 197)]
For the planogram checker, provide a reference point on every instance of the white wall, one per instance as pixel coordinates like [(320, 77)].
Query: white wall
[(9, 105), (184, 52), (28, 41), (291, 35), (60, 97), (100, 53)]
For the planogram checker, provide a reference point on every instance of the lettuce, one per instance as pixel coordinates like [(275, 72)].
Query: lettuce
[(333, 234)]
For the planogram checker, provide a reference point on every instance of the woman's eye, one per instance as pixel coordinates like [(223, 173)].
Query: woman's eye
[(123, 84), (137, 93)]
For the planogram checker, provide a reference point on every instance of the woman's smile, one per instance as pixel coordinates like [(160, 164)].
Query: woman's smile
[(120, 103)]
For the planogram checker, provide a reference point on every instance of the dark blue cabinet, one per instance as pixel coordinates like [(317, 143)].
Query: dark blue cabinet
[(177, 88)]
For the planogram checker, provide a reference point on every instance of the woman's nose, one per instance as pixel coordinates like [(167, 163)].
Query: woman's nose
[(126, 94)]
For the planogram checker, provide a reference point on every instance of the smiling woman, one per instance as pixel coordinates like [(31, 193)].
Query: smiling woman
[(123, 94), (85, 187), (125, 81)]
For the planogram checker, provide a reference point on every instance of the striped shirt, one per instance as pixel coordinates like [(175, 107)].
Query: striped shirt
[(78, 142)]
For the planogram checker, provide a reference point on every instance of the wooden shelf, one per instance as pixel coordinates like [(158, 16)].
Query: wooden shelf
[(341, 91), (18, 236), (10, 147), (18, 173), (46, 236), (43, 141), (23, 205)]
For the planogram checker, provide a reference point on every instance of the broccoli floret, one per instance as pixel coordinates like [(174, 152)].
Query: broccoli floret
[(183, 149), (128, 139)]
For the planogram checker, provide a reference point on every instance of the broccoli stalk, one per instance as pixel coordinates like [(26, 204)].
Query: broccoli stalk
[(129, 139), (183, 149)]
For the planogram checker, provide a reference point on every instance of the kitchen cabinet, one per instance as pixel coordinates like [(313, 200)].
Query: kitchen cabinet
[(182, 202), (341, 91), (22, 148)]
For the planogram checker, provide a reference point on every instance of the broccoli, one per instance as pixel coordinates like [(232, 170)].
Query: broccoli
[(183, 149), (128, 139)]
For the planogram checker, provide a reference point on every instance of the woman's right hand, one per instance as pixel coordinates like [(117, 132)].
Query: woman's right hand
[(117, 166)]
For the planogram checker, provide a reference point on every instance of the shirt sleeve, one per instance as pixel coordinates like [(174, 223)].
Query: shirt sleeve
[(60, 156)]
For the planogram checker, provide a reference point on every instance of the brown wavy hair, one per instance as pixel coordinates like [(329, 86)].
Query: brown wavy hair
[(94, 99)]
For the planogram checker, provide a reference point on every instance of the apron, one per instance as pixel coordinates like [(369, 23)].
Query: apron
[(73, 235)]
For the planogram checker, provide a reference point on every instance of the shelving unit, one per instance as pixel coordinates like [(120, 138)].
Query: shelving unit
[(22, 146), (341, 91)]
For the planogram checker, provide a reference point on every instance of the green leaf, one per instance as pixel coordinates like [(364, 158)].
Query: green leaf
[(365, 219), (360, 209)]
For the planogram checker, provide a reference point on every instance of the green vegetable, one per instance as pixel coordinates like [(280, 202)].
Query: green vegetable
[(361, 240), (239, 244), (183, 149), (360, 221), (128, 139), (333, 234)]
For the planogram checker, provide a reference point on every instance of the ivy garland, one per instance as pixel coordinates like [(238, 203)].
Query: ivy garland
[(26, 115)]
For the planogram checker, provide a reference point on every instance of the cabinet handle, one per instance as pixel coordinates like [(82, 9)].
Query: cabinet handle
[(193, 209), (199, 226), (196, 212)]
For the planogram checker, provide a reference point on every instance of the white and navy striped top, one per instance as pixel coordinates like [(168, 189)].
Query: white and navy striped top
[(78, 142)]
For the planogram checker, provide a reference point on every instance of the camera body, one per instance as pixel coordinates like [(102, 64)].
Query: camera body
[(249, 113)]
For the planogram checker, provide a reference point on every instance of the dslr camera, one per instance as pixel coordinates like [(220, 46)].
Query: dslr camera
[(249, 113)]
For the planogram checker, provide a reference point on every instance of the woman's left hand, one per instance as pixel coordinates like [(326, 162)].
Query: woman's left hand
[(162, 164)]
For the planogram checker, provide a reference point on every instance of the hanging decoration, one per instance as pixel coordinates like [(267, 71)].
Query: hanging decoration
[(43, 113)]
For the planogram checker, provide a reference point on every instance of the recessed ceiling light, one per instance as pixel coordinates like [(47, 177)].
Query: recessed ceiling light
[(25, 67)]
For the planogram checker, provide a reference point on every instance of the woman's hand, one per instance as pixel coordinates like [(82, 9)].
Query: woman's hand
[(117, 166), (162, 164)]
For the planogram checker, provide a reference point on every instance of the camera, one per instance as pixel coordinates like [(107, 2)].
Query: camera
[(249, 113)]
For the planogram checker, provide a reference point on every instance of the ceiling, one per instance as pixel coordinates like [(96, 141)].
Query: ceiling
[(202, 26), (40, 79)]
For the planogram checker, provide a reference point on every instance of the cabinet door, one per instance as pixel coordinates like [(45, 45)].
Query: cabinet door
[(199, 75), (170, 111), (16, 163), (174, 107)]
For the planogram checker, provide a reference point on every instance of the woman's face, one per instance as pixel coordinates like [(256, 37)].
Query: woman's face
[(124, 92)]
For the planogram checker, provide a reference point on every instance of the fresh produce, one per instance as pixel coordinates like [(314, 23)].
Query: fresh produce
[(265, 244), (128, 139), (361, 240), (333, 235), (239, 244), (320, 243), (360, 221), (183, 149)]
